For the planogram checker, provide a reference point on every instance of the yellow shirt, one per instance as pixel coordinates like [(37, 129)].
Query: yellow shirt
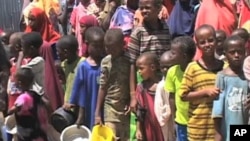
[(200, 125)]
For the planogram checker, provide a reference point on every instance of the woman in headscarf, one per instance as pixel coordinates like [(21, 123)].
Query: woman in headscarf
[(86, 22), (51, 8), (218, 13), (39, 22)]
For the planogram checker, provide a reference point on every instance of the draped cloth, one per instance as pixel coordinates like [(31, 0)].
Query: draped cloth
[(53, 87), (46, 29), (218, 13), (244, 19)]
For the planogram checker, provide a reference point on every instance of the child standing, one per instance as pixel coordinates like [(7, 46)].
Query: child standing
[(162, 106), (86, 83), (183, 48), (25, 109), (114, 86), (219, 51), (148, 127), (228, 109), (31, 43), (67, 48), (198, 86)]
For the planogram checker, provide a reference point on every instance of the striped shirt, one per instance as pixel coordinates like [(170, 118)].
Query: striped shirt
[(143, 39), (200, 124)]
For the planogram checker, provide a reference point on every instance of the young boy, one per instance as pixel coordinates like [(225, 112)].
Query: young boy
[(198, 86), (67, 48), (243, 33), (183, 48), (114, 86), (162, 105), (31, 43), (219, 51)]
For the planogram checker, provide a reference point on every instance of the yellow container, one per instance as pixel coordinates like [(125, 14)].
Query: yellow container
[(102, 133)]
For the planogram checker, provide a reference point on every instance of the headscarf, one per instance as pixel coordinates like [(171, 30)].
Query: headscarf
[(46, 28), (88, 21), (53, 88)]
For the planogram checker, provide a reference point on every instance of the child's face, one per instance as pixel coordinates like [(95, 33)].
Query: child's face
[(114, 48), (165, 64), (28, 51), (148, 10), (206, 41), (220, 40), (96, 49), (145, 69), (235, 53), (4, 38), (177, 54), (62, 53), (83, 28)]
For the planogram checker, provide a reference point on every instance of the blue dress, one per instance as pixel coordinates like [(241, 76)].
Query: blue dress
[(229, 106), (85, 90)]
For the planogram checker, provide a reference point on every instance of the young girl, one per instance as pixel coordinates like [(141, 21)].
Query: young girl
[(26, 109), (228, 109), (148, 127), (86, 83)]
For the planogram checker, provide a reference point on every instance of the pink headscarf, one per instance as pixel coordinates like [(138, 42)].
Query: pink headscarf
[(88, 21)]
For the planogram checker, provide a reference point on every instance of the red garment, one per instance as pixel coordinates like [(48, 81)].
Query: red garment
[(244, 19), (169, 5), (53, 87), (87, 21), (152, 127), (46, 28), (220, 14)]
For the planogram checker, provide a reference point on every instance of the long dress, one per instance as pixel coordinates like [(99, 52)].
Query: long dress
[(150, 123), (85, 90)]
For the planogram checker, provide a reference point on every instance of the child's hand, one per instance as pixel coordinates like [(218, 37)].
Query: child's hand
[(79, 122), (98, 120), (133, 105), (212, 92), (138, 135), (247, 103), (68, 106), (127, 110)]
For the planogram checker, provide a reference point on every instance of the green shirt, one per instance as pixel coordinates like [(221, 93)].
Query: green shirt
[(172, 85)]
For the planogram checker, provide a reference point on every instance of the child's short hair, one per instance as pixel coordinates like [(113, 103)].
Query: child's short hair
[(232, 38), (150, 58), (33, 39), (69, 42), (242, 32), (25, 74), (204, 26), (113, 36), (94, 33), (187, 45)]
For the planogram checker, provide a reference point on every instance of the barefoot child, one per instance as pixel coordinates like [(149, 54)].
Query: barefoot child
[(228, 109), (86, 83), (148, 127), (183, 48), (198, 86), (29, 127), (114, 86)]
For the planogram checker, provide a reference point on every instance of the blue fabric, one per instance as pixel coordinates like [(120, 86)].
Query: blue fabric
[(229, 105), (123, 18), (181, 132), (85, 90), (182, 18), (6, 136)]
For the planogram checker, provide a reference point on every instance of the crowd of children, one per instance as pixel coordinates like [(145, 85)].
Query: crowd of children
[(147, 70)]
